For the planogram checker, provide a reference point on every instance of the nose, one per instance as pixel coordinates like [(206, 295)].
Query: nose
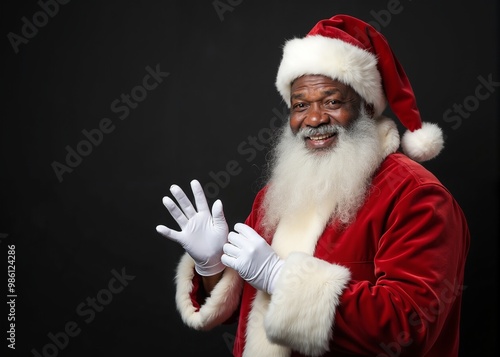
[(316, 116)]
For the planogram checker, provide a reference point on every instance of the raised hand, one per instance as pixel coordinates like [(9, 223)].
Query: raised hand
[(203, 233)]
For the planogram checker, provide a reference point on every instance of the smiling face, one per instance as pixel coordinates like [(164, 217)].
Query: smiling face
[(318, 105)]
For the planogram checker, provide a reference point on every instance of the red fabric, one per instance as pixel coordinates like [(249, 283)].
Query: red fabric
[(406, 252), (397, 87), (198, 294)]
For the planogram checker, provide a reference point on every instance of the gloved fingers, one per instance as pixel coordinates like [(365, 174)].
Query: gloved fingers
[(218, 213), (237, 240), (247, 231), (169, 233), (199, 196), (228, 261), (231, 250), (184, 202), (175, 212)]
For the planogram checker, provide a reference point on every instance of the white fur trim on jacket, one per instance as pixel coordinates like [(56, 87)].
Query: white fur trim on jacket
[(302, 309), (336, 59), (294, 241), (257, 342), (218, 307)]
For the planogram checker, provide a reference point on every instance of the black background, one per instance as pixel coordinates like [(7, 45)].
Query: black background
[(69, 236)]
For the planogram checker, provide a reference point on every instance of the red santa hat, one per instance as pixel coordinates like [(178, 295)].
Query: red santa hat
[(354, 53)]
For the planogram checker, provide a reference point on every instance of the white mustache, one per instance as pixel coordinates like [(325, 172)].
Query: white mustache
[(321, 130)]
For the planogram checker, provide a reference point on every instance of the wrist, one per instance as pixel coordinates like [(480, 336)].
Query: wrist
[(210, 281), (209, 270), (274, 276)]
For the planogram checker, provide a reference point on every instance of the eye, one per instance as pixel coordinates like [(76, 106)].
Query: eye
[(299, 106), (333, 103)]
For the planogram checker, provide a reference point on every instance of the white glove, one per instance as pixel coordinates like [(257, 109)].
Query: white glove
[(202, 234), (252, 257)]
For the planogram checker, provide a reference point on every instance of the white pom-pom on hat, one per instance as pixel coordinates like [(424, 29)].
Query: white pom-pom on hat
[(423, 144)]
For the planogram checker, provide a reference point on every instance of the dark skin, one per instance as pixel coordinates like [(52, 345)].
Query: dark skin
[(319, 100), (315, 101), (209, 282)]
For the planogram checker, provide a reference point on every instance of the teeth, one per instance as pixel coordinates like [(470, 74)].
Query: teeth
[(320, 137)]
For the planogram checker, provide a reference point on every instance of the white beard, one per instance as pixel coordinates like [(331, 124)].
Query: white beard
[(332, 182)]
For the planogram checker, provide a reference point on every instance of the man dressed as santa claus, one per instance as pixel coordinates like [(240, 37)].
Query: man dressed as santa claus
[(352, 248)]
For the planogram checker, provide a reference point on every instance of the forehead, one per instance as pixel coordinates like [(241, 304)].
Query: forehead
[(317, 81)]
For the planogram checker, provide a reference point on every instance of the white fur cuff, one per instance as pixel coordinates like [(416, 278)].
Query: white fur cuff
[(218, 307), (302, 309)]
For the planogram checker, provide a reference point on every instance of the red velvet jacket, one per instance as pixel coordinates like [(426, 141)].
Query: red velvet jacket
[(405, 254)]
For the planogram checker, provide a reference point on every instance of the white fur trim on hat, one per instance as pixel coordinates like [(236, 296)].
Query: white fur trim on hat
[(331, 57), (423, 144)]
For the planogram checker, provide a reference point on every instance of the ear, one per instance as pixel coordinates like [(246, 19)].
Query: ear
[(369, 108)]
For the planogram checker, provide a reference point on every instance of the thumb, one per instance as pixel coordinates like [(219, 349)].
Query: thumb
[(218, 214), (168, 233)]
